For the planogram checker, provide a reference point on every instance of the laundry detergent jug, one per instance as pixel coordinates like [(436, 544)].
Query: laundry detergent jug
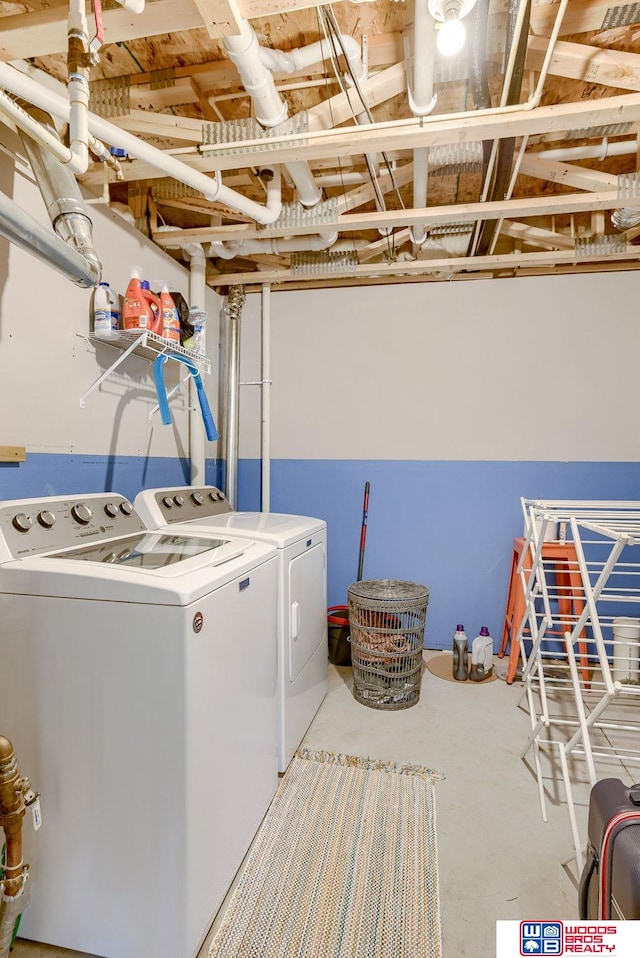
[(142, 309)]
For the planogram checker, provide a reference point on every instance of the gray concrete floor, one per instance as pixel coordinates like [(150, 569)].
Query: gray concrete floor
[(497, 858)]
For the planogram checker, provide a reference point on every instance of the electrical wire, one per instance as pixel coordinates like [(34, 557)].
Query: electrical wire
[(335, 36)]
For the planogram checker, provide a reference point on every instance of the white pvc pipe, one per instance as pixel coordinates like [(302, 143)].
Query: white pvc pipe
[(136, 6), (309, 193), (304, 57), (266, 398), (422, 102), (21, 119), (78, 89), (292, 244), (270, 108), (597, 151), (197, 291), (244, 52), (213, 189)]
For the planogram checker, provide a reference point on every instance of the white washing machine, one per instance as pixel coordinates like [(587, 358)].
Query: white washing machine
[(138, 686), (302, 591)]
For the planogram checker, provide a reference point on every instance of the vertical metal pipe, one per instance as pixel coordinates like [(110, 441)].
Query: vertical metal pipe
[(197, 289), (266, 397), (233, 309)]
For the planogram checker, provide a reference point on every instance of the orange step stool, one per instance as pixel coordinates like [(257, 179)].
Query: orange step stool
[(562, 556)]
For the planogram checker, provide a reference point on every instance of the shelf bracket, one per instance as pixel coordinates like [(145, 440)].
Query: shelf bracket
[(111, 368)]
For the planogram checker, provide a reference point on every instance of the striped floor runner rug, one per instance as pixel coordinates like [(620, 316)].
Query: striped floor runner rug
[(345, 865)]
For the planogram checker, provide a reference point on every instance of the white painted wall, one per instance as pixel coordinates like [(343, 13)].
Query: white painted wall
[(45, 365), (541, 368)]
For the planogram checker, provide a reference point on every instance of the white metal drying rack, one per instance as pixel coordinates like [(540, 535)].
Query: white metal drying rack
[(149, 346), (600, 532)]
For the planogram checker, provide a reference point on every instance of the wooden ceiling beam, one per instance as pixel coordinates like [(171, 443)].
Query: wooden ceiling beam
[(567, 173), (143, 97), (43, 32), (517, 209), (581, 16), (364, 194), (163, 125), (577, 61), (341, 107), (451, 264), (403, 135), (536, 236)]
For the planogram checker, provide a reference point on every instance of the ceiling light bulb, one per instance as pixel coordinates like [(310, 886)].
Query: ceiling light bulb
[(451, 37)]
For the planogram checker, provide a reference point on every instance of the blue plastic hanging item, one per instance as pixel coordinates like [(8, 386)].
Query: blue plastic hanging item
[(163, 403)]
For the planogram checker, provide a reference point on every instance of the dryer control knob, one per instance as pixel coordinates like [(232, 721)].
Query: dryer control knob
[(22, 522), (81, 513), (198, 498), (167, 501), (46, 519), (221, 495), (111, 510), (179, 500), (125, 508), (213, 495)]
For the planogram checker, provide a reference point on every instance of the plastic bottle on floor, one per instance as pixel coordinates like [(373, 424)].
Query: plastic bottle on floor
[(481, 656), (460, 654), (106, 312)]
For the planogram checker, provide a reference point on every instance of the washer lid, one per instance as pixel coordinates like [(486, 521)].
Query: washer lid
[(151, 550), (279, 528), (161, 568)]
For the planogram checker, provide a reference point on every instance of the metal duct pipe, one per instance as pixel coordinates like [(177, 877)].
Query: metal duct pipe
[(62, 197), (233, 310), (197, 290), (515, 53), (27, 233), (244, 52)]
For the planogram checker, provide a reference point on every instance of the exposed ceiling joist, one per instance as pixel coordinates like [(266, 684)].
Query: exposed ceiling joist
[(432, 216), (581, 16), (578, 61), (536, 236), (43, 32), (567, 173), (386, 183), (451, 265), (406, 134)]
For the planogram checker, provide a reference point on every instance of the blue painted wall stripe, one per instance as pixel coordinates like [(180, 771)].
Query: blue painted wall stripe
[(449, 525), (50, 474)]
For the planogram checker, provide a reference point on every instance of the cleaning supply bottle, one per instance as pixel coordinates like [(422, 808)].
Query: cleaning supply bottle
[(106, 312), (198, 320), (155, 306), (481, 656), (170, 320), (141, 307), (460, 654)]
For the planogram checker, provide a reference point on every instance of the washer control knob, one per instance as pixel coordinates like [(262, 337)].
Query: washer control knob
[(81, 513), (22, 522), (179, 500), (198, 498), (46, 519), (167, 501), (213, 495), (111, 510), (221, 496), (126, 508)]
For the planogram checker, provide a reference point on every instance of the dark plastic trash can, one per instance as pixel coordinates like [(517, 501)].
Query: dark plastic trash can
[(338, 633)]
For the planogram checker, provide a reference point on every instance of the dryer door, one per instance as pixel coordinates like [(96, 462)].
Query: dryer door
[(307, 612)]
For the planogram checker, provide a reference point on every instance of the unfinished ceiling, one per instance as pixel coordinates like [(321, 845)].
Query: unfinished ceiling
[(498, 178)]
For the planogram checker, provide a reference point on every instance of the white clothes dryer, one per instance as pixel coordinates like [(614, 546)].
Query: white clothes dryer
[(138, 686), (301, 542)]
